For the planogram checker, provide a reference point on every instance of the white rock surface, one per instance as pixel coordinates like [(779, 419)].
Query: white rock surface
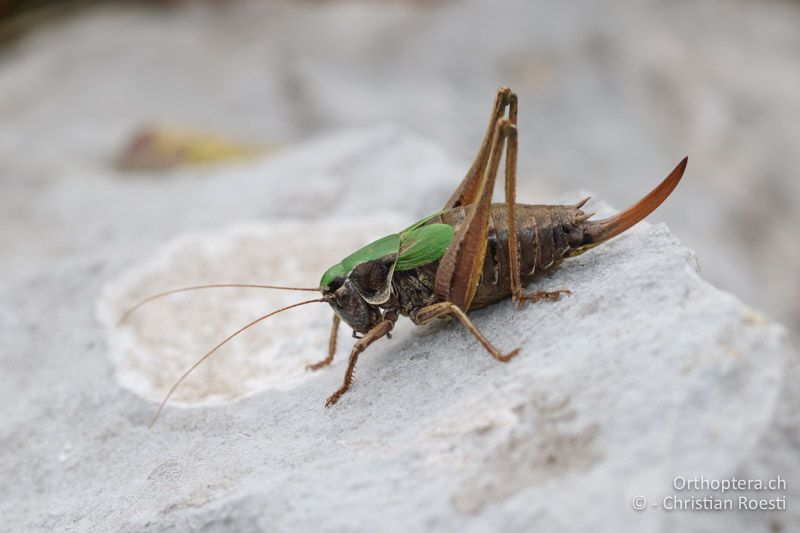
[(646, 373)]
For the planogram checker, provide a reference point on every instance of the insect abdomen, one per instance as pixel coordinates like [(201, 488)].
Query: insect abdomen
[(545, 235)]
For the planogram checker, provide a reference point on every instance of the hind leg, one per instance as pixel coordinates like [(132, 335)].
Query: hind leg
[(535, 296), (469, 189), (460, 267), (512, 144)]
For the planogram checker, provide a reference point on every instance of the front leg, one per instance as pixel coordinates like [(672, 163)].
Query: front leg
[(382, 329), (331, 346)]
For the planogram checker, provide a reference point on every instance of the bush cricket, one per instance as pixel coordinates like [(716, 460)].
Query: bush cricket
[(457, 260)]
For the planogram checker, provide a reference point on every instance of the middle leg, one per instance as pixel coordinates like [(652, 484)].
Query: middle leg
[(426, 314)]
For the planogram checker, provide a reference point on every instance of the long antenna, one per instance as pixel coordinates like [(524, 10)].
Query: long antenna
[(149, 299), (218, 346)]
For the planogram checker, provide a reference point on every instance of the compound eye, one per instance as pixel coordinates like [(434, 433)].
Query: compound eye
[(335, 284)]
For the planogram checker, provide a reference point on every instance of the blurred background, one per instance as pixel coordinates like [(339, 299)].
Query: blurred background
[(612, 95)]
